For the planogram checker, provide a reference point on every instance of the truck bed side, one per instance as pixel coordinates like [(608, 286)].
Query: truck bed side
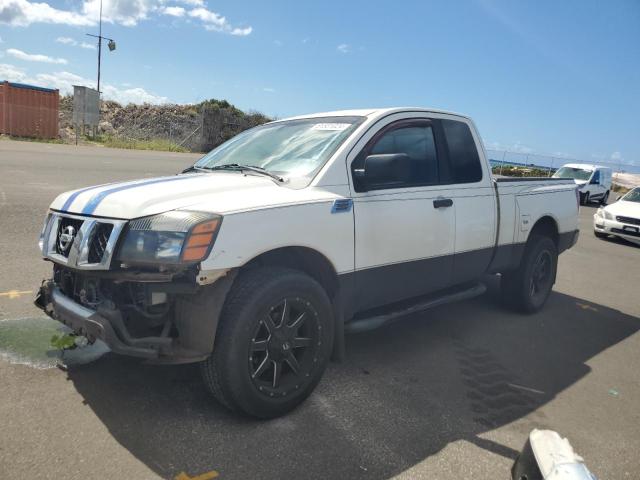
[(523, 203)]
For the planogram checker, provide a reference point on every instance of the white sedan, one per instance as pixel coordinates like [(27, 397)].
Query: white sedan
[(621, 219)]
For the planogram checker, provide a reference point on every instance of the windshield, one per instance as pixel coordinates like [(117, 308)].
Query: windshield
[(294, 148), (632, 195), (573, 172)]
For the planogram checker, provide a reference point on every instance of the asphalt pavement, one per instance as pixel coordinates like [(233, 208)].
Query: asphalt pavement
[(446, 394)]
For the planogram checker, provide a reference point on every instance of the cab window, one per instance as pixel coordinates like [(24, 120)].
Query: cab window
[(416, 140), (464, 161)]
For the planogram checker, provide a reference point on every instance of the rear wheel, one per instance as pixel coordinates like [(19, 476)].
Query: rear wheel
[(273, 343), (528, 287)]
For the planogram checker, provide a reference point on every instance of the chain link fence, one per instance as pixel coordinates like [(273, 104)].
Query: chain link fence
[(505, 162)]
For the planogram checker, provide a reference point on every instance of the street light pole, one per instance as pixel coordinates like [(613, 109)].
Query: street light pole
[(111, 44), (99, 46)]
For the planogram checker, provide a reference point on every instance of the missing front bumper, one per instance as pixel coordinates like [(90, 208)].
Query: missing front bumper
[(105, 325)]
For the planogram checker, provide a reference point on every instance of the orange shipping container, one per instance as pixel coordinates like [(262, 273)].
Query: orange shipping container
[(28, 111)]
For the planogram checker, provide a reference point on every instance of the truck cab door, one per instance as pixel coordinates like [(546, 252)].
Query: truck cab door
[(472, 191), (404, 230)]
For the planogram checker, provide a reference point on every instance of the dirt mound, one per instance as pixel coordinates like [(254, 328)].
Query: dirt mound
[(197, 127)]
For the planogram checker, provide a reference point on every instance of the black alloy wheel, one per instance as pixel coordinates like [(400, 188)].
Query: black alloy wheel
[(273, 342), (541, 277), (284, 349)]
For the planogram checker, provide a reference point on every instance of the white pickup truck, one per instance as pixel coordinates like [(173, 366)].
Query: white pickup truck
[(259, 258)]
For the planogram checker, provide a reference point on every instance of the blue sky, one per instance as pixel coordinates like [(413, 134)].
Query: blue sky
[(550, 77)]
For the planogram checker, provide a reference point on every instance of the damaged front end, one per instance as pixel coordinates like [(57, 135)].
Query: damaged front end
[(158, 311)]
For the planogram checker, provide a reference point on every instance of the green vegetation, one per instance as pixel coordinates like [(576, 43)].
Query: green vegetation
[(31, 139), (157, 144), (520, 171)]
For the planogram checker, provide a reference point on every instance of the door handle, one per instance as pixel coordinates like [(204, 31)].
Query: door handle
[(442, 202)]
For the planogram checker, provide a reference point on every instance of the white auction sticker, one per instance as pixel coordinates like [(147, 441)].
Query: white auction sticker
[(331, 126)]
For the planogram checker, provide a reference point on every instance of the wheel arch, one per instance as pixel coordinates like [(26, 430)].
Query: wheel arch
[(546, 226), (304, 259)]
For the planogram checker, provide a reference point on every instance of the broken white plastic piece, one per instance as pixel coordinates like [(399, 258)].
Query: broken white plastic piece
[(556, 458)]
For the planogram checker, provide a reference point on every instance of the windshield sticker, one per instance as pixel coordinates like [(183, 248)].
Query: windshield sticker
[(338, 127)]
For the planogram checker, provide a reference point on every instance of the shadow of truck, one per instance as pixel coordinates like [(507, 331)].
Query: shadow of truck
[(403, 393)]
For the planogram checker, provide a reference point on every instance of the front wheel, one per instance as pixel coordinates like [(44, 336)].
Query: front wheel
[(585, 198), (528, 287), (273, 343), (599, 234), (605, 198)]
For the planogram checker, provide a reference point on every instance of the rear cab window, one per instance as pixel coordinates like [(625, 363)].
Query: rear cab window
[(464, 161)]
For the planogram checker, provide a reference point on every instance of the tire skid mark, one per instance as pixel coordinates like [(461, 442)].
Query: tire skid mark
[(491, 393)]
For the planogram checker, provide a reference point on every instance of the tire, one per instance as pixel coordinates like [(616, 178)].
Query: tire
[(251, 370), (605, 198), (600, 234), (585, 198), (528, 287)]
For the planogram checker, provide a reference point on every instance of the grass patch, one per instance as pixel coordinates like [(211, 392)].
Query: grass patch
[(518, 171), (158, 144), (31, 139)]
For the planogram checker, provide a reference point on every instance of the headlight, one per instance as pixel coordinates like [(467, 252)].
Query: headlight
[(172, 237), (41, 238), (603, 213)]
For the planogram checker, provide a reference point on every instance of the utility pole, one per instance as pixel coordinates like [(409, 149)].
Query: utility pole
[(111, 44)]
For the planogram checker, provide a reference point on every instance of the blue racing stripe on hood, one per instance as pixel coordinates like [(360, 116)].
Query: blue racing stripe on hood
[(93, 203), (74, 195)]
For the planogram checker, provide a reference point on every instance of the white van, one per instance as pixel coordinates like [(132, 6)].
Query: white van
[(594, 181)]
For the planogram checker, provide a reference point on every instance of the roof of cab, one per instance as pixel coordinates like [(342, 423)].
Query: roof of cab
[(373, 112)]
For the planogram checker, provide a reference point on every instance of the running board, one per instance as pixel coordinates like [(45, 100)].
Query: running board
[(370, 323)]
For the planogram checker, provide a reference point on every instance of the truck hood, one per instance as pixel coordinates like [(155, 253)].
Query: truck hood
[(218, 192)]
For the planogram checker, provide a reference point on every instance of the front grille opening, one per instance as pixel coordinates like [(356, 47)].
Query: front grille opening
[(631, 220), (99, 242), (63, 246)]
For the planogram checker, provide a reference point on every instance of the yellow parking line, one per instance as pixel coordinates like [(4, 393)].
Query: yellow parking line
[(15, 293), (203, 476)]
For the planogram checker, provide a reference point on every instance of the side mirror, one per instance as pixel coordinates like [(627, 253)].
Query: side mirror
[(384, 169)]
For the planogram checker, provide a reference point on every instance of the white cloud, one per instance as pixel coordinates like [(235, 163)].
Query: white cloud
[(513, 148), (66, 41), (64, 81), (12, 73), (278, 43), (123, 12), (34, 57), (269, 89), (22, 13), (1, 41), (74, 43), (216, 22), (616, 156), (173, 11), (344, 48)]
